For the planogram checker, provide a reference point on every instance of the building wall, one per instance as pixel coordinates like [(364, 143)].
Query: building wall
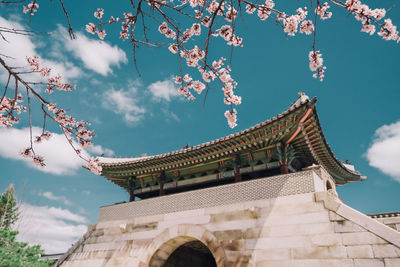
[(286, 220)]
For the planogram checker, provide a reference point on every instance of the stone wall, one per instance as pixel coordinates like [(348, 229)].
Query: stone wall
[(259, 223), (390, 219)]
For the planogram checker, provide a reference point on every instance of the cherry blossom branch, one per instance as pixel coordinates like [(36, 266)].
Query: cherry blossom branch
[(67, 123), (70, 31)]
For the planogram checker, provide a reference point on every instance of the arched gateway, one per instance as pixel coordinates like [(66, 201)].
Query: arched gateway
[(184, 245), (265, 196)]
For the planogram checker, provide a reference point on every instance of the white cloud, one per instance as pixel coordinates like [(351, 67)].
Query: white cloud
[(20, 46), (98, 150), (96, 55), (384, 152), (59, 157), (51, 196), (125, 103), (163, 90), (55, 229)]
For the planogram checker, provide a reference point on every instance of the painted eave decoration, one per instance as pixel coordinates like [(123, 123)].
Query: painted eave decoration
[(248, 151)]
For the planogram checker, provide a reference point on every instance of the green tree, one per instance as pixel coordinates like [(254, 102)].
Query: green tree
[(8, 209), (15, 254), (12, 252)]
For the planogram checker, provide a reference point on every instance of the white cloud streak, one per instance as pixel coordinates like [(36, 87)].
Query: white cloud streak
[(55, 229), (163, 90), (95, 54), (125, 103), (59, 156), (21, 46), (384, 152), (51, 196)]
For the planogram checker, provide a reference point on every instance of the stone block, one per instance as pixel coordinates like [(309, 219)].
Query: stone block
[(233, 245), (313, 252), (235, 215), (283, 230), (313, 217), (225, 208), (232, 225), (140, 227), (183, 214), (370, 224), (334, 217), (275, 242), (386, 251), (98, 232), (368, 263), (277, 263), (392, 262), (103, 246), (236, 256), (145, 234), (252, 233), (184, 220), (391, 220), (330, 201), (149, 219), (347, 227), (288, 200), (326, 240), (360, 252), (323, 263), (315, 228), (189, 230), (292, 209), (229, 235), (240, 263), (361, 238), (272, 254), (261, 203), (112, 231)]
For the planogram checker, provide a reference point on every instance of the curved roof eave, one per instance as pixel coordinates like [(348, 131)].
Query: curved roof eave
[(342, 174)]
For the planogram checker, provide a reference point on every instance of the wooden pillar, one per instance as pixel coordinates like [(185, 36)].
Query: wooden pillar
[(162, 180), (131, 196), (237, 162), (131, 187)]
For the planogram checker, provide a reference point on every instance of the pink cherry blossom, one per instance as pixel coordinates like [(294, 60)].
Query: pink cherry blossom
[(173, 48), (38, 160), (306, 27), (31, 8), (198, 86), (250, 9), (101, 34), (322, 11), (316, 62), (91, 28), (26, 152), (163, 28), (99, 13), (231, 116)]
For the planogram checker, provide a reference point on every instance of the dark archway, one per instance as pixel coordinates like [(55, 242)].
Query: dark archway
[(193, 254)]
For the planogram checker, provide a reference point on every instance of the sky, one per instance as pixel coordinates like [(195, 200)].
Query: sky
[(132, 114)]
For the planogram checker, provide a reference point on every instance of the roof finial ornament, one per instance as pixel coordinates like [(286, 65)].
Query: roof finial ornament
[(302, 96), (301, 100)]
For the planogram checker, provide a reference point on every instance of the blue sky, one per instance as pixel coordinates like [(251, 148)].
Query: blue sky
[(131, 115)]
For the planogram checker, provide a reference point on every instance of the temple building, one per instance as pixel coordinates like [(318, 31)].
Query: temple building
[(265, 196)]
